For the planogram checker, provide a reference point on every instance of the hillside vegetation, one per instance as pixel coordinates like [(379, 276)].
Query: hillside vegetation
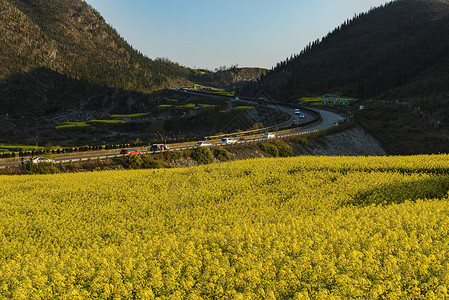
[(56, 53), (395, 49), (307, 227), (396, 52)]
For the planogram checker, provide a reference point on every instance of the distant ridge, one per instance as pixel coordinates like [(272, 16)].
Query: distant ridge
[(49, 47), (233, 78), (400, 49)]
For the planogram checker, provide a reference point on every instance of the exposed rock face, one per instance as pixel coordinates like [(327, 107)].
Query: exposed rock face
[(231, 79), (352, 142)]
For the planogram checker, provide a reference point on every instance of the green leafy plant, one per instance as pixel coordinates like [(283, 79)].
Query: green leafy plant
[(41, 168), (135, 161), (173, 155), (221, 154), (277, 149), (269, 149), (203, 155)]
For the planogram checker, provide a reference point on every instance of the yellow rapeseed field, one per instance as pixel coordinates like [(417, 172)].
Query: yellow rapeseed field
[(294, 228)]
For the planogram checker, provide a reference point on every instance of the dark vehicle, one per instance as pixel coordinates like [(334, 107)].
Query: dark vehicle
[(268, 135), (129, 151), (159, 147), (341, 121)]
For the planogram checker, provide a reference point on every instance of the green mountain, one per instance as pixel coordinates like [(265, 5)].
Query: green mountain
[(400, 49), (395, 59), (55, 53)]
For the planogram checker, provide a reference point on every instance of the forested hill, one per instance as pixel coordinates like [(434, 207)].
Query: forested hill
[(54, 47), (400, 49)]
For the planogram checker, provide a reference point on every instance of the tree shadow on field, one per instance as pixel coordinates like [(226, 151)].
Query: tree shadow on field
[(395, 193)]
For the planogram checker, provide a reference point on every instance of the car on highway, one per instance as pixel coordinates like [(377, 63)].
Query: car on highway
[(268, 135), (297, 111), (301, 116), (159, 147), (40, 160), (226, 141), (339, 122), (129, 151), (203, 144)]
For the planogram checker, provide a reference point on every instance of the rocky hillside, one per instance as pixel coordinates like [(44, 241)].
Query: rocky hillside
[(352, 142), (230, 79), (58, 52)]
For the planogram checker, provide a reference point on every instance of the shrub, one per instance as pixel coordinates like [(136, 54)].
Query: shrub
[(41, 168), (151, 163), (277, 149), (202, 155), (222, 154), (71, 167), (300, 141), (132, 161), (135, 161), (284, 150), (269, 149), (173, 155)]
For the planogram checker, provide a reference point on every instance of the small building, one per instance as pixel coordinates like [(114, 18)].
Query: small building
[(334, 100), (344, 101)]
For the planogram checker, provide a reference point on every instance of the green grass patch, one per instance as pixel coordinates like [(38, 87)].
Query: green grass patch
[(107, 121), (72, 125), (209, 105), (214, 90), (165, 106), (13, 148), (244, 108), (309, 100), (130, 115), (188, 105), (170, 99)]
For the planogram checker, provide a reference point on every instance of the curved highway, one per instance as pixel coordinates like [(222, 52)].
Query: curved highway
[(327, 120)]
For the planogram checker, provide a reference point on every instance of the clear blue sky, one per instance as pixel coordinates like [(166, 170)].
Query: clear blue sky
[(213, 33)]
